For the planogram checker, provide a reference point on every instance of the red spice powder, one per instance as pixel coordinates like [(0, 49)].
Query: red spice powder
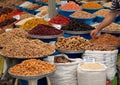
[(70, 6), (59, 19), (44, 30)]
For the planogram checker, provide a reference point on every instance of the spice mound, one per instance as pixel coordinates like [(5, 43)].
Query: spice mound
[(27, 49), (45, 30), (82, 14), (70, 6), (106, 40), (61, 59), (102, 12), (30, 24), (92, 66), (32, 67), (74, 43), (91, 5), (76, 25), (59, 19), (7, 37)]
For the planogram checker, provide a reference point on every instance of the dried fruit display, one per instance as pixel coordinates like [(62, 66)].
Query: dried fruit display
[(76, 25), (30, 24), (45, 30)]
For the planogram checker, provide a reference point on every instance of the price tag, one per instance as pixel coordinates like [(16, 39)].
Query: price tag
[(63, 2), (89, 59), (17, 17)]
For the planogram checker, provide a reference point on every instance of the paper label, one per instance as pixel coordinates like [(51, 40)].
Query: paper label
[(89, 59), (17, 17), (63, 2)]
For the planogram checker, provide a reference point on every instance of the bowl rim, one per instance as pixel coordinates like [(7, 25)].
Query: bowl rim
[(92, 8), (68, 10)]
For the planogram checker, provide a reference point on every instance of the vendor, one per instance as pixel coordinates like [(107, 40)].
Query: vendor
[(115, 9)]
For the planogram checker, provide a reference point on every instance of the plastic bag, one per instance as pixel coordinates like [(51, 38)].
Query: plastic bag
[(66, 73), (108, 58), (91, 77)]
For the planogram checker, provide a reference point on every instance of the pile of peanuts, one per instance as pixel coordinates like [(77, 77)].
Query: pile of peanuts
[(32, 67)]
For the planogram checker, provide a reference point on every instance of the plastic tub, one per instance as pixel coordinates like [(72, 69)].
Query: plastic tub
[(99, 19)]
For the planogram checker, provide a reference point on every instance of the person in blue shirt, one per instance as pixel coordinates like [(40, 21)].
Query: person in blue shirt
[(115, 9)]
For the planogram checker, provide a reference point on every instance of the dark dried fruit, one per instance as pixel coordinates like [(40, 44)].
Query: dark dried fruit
[(76, 25)]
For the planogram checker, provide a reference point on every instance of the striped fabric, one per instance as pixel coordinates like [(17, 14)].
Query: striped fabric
[(115, 5)]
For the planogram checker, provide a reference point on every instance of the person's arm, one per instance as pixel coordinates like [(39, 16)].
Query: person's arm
[(108, 20)]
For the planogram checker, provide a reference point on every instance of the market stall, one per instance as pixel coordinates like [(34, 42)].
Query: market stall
[(48, 42)]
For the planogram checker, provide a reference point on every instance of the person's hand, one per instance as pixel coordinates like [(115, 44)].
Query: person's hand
[(94, 33)]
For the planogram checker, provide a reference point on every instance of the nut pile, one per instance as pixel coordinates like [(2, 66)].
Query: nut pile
[(27, 49), (7, 37), (61, 59), (30, 5), (102, 12), (42, 8), (82, 14), (106, 40), (100, 48), (72, 43), (109, 4), (32, 67), (25, 15), (113, 27)]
